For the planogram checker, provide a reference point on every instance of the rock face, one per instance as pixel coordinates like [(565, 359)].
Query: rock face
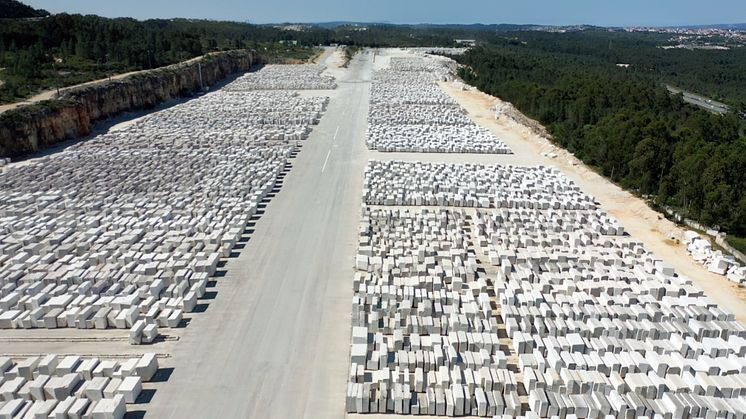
[(40, 126), (32, 128)]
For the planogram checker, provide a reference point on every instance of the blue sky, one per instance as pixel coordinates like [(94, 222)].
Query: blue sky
[(558, 12)]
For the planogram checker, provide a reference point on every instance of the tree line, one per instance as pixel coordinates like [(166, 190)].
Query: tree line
[(11, 9), (626, 125), (718, 74), (65, 49)]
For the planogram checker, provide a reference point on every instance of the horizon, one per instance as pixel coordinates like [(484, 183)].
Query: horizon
[(662, 14)]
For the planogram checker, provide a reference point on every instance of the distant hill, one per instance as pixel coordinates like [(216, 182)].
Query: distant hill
[(12, 9), (478, 26), (733, 26), (336, 24), (460, 26), (724, 26)]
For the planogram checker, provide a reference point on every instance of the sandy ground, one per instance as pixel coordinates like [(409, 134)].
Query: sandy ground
[(332, 57), (642, 222), (336, 59)]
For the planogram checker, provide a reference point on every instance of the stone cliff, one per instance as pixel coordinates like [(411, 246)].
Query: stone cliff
[(28, 129)]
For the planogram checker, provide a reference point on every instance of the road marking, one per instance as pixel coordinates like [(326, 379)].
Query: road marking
[(335, 133), (326, 160)]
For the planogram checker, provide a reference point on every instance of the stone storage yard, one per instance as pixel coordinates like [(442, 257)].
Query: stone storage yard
[(587, 321), (125, 230), (423, 339), (284, 77), (602, 326), (596, 324), (410, 112), (55, 386)]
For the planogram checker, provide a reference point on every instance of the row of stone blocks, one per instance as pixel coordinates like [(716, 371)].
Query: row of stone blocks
[(93, 312), (471, 185), (599, 405), (284, 77), (426, 138), (71, 387), (423, 339), (456, 400), (409, 112), (125, 230)]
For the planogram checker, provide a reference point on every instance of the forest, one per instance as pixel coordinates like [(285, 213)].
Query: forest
[(718, 74), (11, 9), (63, 50), (625, 124)]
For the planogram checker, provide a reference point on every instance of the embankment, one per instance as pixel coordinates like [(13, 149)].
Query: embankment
[(32, 128)]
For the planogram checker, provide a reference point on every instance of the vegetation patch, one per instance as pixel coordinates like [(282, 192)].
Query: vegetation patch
[(738, 242), (626, 125)]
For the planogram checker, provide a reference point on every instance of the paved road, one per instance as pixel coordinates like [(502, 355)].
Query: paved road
[(701, 101), (275, 341)]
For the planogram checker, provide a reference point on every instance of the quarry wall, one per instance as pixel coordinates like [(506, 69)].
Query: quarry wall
[(32, 128)]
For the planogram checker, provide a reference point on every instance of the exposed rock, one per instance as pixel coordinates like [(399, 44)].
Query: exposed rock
[(35, 127)]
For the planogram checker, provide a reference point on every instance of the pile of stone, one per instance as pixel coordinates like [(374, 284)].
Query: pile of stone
[(428, 138), (439, 50), (273, 107), (716, 262), (240, 117), (424, 340), (71, 387), (410, 112), (471, 185), (285, 77), (396, 87), (419, 114), (436, 66), (125, 230)]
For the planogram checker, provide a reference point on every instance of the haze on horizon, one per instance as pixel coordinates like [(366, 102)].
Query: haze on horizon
[(542, 12)]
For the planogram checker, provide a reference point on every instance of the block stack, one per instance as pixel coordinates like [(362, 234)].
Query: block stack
[(71, 386), (285, 77), (470, 185), (125, 230), (716, 262), (409, 112), (604, 327), (423, 338), (596, 325)]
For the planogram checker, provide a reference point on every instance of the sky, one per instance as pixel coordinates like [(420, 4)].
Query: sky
[(543, 12)]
